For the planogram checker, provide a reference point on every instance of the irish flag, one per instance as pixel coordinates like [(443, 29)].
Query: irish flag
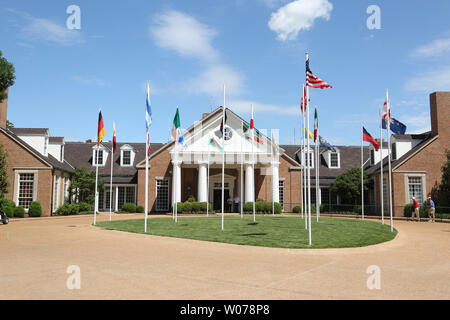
[(177, 134)]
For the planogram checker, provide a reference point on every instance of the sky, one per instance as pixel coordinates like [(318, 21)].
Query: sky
[(187, 50)]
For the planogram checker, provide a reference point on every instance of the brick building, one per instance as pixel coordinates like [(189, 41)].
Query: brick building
[(417, 159)]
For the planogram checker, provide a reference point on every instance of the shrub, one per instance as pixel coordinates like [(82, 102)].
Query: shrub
[(9, 211), (248, 207), (191, 199), (129, 207), (85, 207), (180, 207), (5, 203), (259, 206), (278, 209), (297, 209), (408, 210), (68, 209), (140, 209), (267, 207), (259, 200), (35, 209), (19, 212), (187, 207), (203, 206), (196, 207)]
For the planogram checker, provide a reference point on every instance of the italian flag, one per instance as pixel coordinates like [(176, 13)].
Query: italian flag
[(176, 126)]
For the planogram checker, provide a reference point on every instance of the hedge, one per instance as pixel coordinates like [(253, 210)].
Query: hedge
[(129, 207), (85, 207), (140, 209), (4, 203), (35, 209), (68, 209), (262, 207), (193, 207), (19, 212), (297, 209), (9, 211)]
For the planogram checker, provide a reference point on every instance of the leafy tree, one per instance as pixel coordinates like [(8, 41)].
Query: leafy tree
[(83, 186), (3, 173), (7, 76), (441, 193), (348, 186), (9, 124)]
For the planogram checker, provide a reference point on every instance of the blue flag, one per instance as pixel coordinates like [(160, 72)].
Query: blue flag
[(396, 126), (326, 144)]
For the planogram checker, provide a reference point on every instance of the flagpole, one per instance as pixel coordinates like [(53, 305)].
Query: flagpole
[(110, 183), (146, 161), (253, 165), (317, 181), (223, 156), (362, 171), (303, 189), (273, 181), (207, 185), (308, 164), (390, 166), (242, 178), (96, 181), (381, 177)]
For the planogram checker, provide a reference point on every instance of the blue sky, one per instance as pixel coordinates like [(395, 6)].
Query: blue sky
[(187, 49)]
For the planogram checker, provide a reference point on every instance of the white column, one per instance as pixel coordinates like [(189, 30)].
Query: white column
[(202, 195), (117, 199), (176, 181), (275, 184), (249, 183)]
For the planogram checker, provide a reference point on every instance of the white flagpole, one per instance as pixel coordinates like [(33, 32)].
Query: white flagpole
[(223, 156), (96, 181), (253, 164), (242, 178), (146, 167), (317, 181), (390, 166), (303, 155), (381, 176), (308, 164), (110, 181), (273, 181), (207, 184), (362, 171)]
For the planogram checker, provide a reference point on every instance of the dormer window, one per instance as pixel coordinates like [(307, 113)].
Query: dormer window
[(98, 158), (126, 156), (102, 156), (334, 160), (305, 158)]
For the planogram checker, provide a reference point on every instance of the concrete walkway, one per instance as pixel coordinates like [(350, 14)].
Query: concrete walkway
[(35, 254)]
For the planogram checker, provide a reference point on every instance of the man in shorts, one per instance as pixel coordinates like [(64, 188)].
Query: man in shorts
[(431, 210)]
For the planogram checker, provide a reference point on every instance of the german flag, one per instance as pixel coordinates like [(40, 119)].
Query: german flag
[(101, 129)]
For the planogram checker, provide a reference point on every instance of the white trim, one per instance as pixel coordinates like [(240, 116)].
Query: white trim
[(17, 174), (424, 186)]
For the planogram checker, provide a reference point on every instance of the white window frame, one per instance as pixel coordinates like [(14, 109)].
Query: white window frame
[(338, 159), (56, 192), (311, 152), (423, 177), (132, 155), (17, 174)]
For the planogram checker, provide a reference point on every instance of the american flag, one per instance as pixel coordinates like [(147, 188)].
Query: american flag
[(312, 81)]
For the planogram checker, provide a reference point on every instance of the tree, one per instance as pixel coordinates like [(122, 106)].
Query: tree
[(83, 186), (9, 125), (348, 186), (3, 173), (441, 193), (7, 76)]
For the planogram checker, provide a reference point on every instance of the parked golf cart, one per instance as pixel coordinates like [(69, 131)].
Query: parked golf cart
[(4, 217)]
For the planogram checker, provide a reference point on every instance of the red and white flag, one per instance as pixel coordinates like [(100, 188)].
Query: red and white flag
[(313, 81)]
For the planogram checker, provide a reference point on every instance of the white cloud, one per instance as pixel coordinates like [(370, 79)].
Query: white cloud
[(434, 49), (438, 80), (211, 81), (244, 107), (89, 80), (298, 15), (418, 123), (38, 29), (182, 33)]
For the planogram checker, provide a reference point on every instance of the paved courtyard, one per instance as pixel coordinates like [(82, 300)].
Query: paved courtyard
[(35, 254)]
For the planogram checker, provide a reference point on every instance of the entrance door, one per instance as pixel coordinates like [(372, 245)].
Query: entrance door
[(218, 199)]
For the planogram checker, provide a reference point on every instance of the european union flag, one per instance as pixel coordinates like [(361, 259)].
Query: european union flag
[(396, 126)]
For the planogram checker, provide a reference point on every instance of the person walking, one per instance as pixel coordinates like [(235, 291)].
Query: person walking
[(431, 210), (237, 201), (416, 209)]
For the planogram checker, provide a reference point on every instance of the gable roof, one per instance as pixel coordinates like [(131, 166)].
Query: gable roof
[(29, 131), (207, 117), (49, 160), (428, 137)]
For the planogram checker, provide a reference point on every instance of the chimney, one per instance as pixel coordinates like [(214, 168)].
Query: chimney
[(4, 111), (440, 113)]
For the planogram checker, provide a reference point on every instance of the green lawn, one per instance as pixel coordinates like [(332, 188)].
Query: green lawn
[(276, 232)]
